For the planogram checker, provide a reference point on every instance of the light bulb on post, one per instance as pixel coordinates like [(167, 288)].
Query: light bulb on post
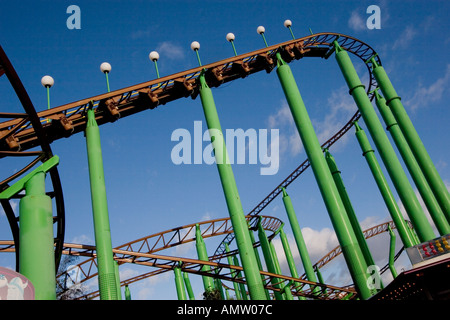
[(47, 82), (261, 30), (288, 24), (230, 38), (195, 46), (154, 56), (105, 67)]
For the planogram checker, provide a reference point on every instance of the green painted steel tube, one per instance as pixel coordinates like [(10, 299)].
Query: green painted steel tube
[(106, 271), (418, 177), (384, 147), (268, 257), (116, 270), (382, 184), (233, 273), (179, 284), (208, 282), (298, 236), (394, 211), (36, 255), (392, 253), (237, 216), (412, 137), (239, 275), (188, 286), (127, 293), (258, 260), (349, 208), (336, 210), (290, 258)]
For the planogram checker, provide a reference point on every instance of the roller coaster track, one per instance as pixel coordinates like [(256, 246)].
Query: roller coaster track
[(25, 131)]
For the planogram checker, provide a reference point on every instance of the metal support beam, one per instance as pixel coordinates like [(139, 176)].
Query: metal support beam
[(105, 261), (384, 147), (244, 244), (369, 154), (412, 137), (336, 210)]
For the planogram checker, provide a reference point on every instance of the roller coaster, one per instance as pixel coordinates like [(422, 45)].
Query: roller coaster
[(30, 135)]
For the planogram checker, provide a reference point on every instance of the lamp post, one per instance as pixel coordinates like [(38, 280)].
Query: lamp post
[(154, 56), (105, 67), (230, 38), (261, 30)]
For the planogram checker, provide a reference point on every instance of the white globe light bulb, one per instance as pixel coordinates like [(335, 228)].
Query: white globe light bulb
[(230, 37), (105, 67), (287, 23), (47, 81), (154, 56), (261, 29), (195, 45)]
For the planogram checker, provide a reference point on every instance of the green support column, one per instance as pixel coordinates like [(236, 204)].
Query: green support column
[(219, 286), (237, 216), (392, 253), (258, 259), (105, 261), (369, 154), (336, 210), (208, 282), (289, 258), (239, 275), (127, 293), (298, 236), (384, 147), (116, 270), (419, 179), (415, 143), (237, 290), (268, 257), (179, 284), (36, 254), (349, 208), (188, 286)]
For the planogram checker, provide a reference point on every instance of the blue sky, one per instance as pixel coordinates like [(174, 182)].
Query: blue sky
[(147, 193)]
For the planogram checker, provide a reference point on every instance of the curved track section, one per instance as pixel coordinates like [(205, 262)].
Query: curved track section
[(31, 120)]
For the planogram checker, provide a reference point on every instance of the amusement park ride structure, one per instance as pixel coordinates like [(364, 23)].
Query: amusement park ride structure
[(30, 135)]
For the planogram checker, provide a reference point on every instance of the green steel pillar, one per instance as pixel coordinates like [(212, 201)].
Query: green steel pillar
[(36, 255), (416, 173), (369, 154), (258, 259), (237, 217), (116, 270), (349, 208), (188, 286), (289, 257), (233, 273), (105, 261), (179, 284), (241, 285), (268, 257), (298, 236), (384, 147), (219, 286), (336, 210), (392, 252), (127, 293), (208, 282), (415, 143)]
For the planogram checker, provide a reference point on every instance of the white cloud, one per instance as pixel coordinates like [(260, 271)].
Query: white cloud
[(425, 95), (170, 50), (355, 22), (405, 38)]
